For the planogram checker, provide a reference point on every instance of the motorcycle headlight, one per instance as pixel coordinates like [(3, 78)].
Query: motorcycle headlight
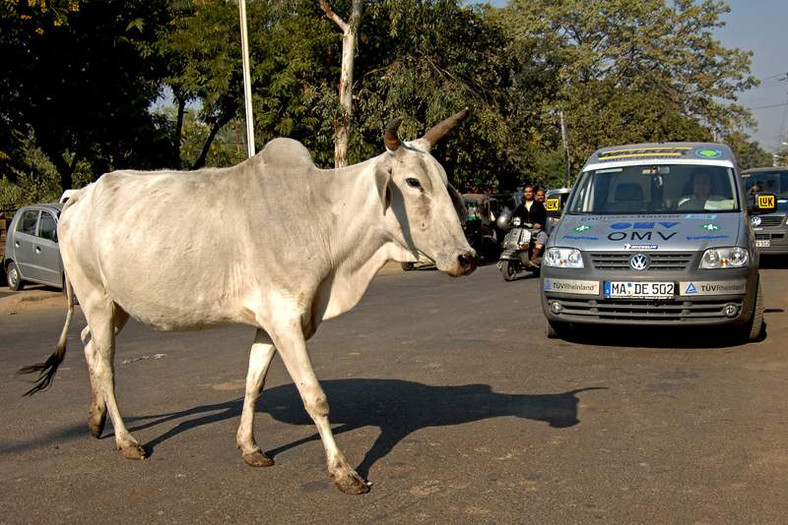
[(563, 258), (732, 257), (516, 221)]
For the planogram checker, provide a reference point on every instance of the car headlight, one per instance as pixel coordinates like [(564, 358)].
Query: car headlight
[(732, 257), (563, 258)]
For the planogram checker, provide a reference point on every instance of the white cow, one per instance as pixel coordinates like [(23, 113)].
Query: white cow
[(273, 242)]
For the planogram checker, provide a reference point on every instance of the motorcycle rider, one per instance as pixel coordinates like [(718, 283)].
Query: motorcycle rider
[(533, 212)]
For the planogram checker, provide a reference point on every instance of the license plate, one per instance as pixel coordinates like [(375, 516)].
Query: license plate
[(763, 243), (639, 290)]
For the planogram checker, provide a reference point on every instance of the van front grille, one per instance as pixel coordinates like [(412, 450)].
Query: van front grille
[(661, 261), (770, 221), (645, 311)]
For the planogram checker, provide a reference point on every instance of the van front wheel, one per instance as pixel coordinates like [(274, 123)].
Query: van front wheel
[(756, 325)]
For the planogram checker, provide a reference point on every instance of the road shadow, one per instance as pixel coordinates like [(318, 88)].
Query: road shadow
[(397, 408), (773, 262)]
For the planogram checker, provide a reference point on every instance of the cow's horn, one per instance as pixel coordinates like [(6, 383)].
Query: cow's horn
[(434, 135), (390, 137)]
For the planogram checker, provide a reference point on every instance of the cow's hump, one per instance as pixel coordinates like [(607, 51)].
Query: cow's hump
[(287, 154)]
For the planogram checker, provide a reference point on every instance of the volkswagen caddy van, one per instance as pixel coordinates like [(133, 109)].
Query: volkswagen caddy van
[(659, 235), (771, 230)]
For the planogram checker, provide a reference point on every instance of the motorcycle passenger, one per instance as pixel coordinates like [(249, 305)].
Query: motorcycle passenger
[(533, 212), (540, 195)]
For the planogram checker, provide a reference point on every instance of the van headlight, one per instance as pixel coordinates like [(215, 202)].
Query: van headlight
[(563, 258), (733, 257)]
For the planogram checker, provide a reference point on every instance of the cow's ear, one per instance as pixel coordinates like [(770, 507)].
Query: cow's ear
[(383, 185)]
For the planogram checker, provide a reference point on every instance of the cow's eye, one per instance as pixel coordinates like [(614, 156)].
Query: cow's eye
[(413, 183)]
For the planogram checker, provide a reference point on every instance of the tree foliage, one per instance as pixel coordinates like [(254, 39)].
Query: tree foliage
[(94, 85)]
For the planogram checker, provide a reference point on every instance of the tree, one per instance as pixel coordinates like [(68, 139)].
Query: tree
[(349, 32), (634, 70), (80, 76), (748, 154)]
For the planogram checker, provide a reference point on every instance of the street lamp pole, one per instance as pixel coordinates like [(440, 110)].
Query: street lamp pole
[(247, 79)]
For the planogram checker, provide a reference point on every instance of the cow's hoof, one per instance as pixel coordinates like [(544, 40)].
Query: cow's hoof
[(132, 451), (258, 459), (352, 483), (96, 424)]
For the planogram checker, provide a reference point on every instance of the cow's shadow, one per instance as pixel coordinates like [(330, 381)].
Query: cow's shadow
[(398, 408)]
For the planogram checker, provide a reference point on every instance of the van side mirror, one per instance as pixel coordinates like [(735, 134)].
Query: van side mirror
[(764, 203)]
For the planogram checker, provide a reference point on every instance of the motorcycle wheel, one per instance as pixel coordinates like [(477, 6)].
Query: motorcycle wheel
[(509, 270), (407, 266)]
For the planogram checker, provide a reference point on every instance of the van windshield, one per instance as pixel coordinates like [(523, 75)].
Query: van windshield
[(770, 182), (653, 189)]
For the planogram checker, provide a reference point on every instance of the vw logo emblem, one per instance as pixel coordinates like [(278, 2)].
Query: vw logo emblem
[(639, 261), (756, 221)]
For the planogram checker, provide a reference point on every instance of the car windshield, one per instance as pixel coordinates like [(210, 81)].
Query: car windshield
[(670, 188)]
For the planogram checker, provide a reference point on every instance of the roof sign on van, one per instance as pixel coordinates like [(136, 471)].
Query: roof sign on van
[(708, 153), (652, 151)]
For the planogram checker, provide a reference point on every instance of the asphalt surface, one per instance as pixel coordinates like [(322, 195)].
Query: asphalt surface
[(446, 395)]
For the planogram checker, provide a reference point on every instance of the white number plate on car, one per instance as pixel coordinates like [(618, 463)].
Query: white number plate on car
[(639, 290), (763, 243)]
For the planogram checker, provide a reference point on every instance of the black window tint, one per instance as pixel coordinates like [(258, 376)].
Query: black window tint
[(27, 224), (48, 226)]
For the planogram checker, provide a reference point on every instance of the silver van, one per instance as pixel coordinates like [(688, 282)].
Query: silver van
[(656, 234), (32, 253), (771, 230)]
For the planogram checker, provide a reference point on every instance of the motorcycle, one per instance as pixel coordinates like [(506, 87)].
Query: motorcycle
[(518, 245)]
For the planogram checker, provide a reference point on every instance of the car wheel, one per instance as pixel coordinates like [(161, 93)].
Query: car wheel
[(509, 269), (14, 279), (756, 325)]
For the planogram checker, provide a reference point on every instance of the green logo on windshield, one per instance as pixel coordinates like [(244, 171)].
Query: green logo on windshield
[(708, 153)]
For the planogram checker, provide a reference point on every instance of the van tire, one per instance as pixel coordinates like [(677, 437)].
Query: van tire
[(555, 330), (756, 324), (13, 277)]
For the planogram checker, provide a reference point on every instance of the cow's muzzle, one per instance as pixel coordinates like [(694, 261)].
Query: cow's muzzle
[(463, 263)]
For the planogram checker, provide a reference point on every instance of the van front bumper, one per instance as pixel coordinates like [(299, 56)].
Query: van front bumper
[(582, 299)]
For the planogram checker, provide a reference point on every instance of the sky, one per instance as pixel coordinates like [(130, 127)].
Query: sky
[(759, 26)]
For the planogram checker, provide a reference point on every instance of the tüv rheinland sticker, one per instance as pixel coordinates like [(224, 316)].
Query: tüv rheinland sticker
[(571, 286), (687, 288)]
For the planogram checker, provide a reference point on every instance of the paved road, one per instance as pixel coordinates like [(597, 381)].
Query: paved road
[(444, 392)]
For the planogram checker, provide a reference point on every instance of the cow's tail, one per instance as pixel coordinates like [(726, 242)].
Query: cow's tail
[(46, 370)]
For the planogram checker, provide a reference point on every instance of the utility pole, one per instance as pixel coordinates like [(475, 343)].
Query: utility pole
[(565, 140), (247, 79)]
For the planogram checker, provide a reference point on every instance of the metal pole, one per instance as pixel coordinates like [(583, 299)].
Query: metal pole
[(565, 140), (247, 79)]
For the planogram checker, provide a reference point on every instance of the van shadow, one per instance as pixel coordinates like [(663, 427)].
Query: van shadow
[(666, 338), (398, 408)]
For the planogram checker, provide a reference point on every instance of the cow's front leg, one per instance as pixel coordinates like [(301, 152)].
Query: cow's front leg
[(259, 360), (290, 343)]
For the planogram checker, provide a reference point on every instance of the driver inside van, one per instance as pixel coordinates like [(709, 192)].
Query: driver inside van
[(702, 197)]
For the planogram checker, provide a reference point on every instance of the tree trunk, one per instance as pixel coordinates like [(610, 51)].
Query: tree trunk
[(177, 139), (349, 32), (200, 162)]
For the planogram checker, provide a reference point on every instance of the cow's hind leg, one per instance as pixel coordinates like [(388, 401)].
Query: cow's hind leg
[(105, 319), (98, 407), (259, 360), (290, 343)]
